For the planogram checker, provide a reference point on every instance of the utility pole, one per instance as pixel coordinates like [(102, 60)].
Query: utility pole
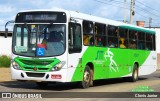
[(132, 11), (150, 21), (124, 11)]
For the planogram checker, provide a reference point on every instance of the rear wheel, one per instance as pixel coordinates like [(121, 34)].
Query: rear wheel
[(91, 82), (134, 77), (87, 78)]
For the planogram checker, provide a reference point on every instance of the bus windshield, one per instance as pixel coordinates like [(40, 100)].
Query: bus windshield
[(39, 40)]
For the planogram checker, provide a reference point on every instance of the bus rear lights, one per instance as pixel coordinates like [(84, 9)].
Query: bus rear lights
[(56, 76)]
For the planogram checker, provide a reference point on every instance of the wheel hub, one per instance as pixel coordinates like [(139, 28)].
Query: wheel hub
[(86, 77)]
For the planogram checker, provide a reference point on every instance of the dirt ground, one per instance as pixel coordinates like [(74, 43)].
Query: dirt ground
[(158, 61), (5, 74)]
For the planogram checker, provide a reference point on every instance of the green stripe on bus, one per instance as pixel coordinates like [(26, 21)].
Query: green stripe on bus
[(138, 29), (118, 64)]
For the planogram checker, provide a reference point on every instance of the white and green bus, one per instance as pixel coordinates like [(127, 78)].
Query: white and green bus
[(67, 46)]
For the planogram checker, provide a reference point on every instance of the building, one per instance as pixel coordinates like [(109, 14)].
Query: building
[(5, 43)]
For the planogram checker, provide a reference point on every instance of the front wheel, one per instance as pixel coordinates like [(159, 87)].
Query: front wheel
[(87, 78), (134, 77)]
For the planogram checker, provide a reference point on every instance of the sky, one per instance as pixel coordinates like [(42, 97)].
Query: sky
[(111, 9)]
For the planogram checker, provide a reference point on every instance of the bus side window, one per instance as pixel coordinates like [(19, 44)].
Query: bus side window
[(75, 38), (132, 39), (100, 35), (112, 36), (154, 41), (149, 41), (88, 36), (141, 41), (123, 39)]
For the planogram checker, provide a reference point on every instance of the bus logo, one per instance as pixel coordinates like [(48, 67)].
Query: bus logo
[(109, 56), (35, 69)]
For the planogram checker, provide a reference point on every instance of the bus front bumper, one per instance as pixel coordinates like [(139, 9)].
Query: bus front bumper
[(52, 76)]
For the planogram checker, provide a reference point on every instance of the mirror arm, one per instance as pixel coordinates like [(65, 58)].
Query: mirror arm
[(6, 29)]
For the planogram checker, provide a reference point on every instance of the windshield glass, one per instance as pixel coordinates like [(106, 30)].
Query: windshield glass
[(39, 40)]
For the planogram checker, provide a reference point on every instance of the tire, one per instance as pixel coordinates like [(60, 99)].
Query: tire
[(134, 77), (91, 82), (42, 84), (87, 78)]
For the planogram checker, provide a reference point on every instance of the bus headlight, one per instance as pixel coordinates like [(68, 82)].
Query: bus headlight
[(15, 65), (58, 66)]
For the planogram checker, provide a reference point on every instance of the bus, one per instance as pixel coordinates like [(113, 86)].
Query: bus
[(69, 46)]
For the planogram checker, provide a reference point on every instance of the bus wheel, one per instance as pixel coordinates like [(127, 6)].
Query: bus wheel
[(41, 84), (87, 78), (91, 82), (134, 77)]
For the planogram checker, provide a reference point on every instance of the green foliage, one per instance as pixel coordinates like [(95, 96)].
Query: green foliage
[(5, 61)]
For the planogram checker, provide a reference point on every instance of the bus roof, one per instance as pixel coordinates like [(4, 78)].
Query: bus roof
[(78, 15), (110, 22)]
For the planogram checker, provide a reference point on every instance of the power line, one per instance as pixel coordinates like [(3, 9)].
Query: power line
[(141, 15), (109, 3), (146, 11), (137, 6), (120, 2), (147, 6)]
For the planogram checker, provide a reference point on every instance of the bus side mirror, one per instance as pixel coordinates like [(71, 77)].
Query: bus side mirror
[(6, 32), (6, 29)]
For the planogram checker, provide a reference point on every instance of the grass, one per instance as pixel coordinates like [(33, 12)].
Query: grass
[(5, 61)]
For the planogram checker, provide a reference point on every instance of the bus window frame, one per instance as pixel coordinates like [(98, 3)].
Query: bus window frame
[(90, 36), (71, 48), (125, 37), (112, 43), (101, 35)]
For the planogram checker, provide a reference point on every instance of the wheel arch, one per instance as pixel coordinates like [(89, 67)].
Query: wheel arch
[(91, 65), (137, 64)]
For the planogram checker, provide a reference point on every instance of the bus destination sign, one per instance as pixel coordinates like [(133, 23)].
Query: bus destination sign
[(40, 17)]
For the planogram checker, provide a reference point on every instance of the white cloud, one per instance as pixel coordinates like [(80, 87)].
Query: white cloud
[(107, 12), (67, 4), (103, 11), (2, 21), (37, 2), (6, 9)]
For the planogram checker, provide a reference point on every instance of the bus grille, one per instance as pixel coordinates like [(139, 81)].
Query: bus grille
[(38, 69), (35, 74), (31, 62)]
